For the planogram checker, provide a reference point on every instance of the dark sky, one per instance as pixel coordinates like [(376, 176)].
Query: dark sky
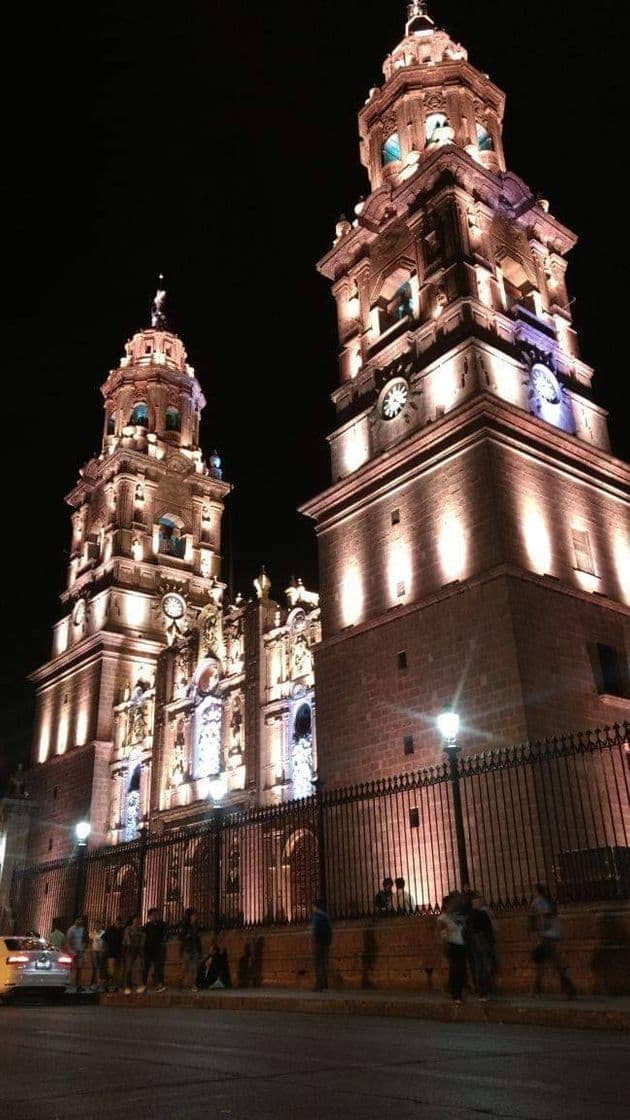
[(219, 145)]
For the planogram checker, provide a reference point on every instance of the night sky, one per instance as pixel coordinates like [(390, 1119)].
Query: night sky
[(219, 146)]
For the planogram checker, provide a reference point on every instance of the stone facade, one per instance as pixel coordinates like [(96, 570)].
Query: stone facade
[(474, 546), (161, 698)]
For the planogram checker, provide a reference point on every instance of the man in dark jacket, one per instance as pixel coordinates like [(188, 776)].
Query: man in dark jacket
[(112, 939), (322, 938), (154, 949)]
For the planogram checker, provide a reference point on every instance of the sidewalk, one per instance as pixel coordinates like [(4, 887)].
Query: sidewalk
[(590, 1013)]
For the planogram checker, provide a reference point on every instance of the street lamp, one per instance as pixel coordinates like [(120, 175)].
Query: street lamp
[(218, 787), (448, 724), (82, 831)]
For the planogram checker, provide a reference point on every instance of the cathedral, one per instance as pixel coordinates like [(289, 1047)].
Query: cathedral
[(474, 547)]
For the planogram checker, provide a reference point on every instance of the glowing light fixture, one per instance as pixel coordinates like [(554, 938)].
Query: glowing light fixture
[(448, 724), (218, 787), (82, 831)]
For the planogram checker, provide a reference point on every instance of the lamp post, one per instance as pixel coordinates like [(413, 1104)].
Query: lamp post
[(448, 724), (82, 832), (218, 788)]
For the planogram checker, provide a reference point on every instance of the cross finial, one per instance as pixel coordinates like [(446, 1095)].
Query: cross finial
[(158, 317), (416, 8)]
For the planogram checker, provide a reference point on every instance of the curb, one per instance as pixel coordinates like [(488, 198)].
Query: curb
[(571, 1017)]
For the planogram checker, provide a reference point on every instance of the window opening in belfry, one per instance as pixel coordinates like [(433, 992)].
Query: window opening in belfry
[(172, 543), (391, 149), (140, 415)]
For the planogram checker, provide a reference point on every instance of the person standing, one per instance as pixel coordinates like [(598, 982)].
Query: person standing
[(384, 899), (322, 940), (113, 949), (482, 943), (403, 902), (154, 948), (544, 921), (133, 944), (190, 938), (97, 954), (451, 926), (76, 941), (57, 937)]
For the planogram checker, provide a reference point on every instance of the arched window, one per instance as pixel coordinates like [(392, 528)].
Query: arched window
[(140, 415), (172, 543), (303, 722), (485, 143), (438, 129), (111, 425), (403, 301), (391, 149), (173, 420)]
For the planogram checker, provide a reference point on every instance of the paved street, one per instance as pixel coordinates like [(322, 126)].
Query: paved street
[(92, 1063)]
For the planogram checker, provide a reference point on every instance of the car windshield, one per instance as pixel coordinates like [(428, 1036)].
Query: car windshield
[(26, 943)]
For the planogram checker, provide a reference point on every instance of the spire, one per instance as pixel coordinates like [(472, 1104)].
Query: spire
[(158, 317), (418, 19)]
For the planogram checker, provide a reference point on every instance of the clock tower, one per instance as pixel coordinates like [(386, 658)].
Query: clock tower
[(144, 562), (474, 545)]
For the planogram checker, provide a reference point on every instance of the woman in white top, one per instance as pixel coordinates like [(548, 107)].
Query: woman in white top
[(451, 926)]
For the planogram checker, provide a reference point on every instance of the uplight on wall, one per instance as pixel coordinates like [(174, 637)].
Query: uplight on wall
[(44, 740), (621, 551), (355, 447), (352, 595), (537, 539), (453, 549), (82, 725), (399, 571), (62, 734)]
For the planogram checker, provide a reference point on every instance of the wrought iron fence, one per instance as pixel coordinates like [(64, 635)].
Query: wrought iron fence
[(556, 811)]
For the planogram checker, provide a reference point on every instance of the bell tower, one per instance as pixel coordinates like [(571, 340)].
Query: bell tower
[(474, 546), (144, 561)]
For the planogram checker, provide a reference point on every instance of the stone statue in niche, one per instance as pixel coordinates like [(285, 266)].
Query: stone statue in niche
[(180, 682), (235, 643), (302, 767), (236, 725), (302, 659), (212, 634), (179, 750), (208, 753)]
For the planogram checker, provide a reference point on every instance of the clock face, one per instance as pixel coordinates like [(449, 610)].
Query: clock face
[(78, 614), (395, 399), (173, 606), (546, 384)]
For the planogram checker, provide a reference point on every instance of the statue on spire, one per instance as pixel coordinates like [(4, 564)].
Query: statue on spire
[(158, 316), (418, 18)]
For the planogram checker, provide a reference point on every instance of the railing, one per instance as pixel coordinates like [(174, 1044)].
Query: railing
[(557, 811)]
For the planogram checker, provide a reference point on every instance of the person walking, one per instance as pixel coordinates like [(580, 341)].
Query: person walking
[(543, 916), (482, 943), (451, 926), (192, 954), (76, 941), (113, 949), (154, 950), (322, 939), (133, 944)]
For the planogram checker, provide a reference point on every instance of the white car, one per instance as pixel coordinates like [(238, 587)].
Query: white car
[(31, 964)]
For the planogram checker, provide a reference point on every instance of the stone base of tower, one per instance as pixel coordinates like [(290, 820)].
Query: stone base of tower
[(67, 789), (516, 655)]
